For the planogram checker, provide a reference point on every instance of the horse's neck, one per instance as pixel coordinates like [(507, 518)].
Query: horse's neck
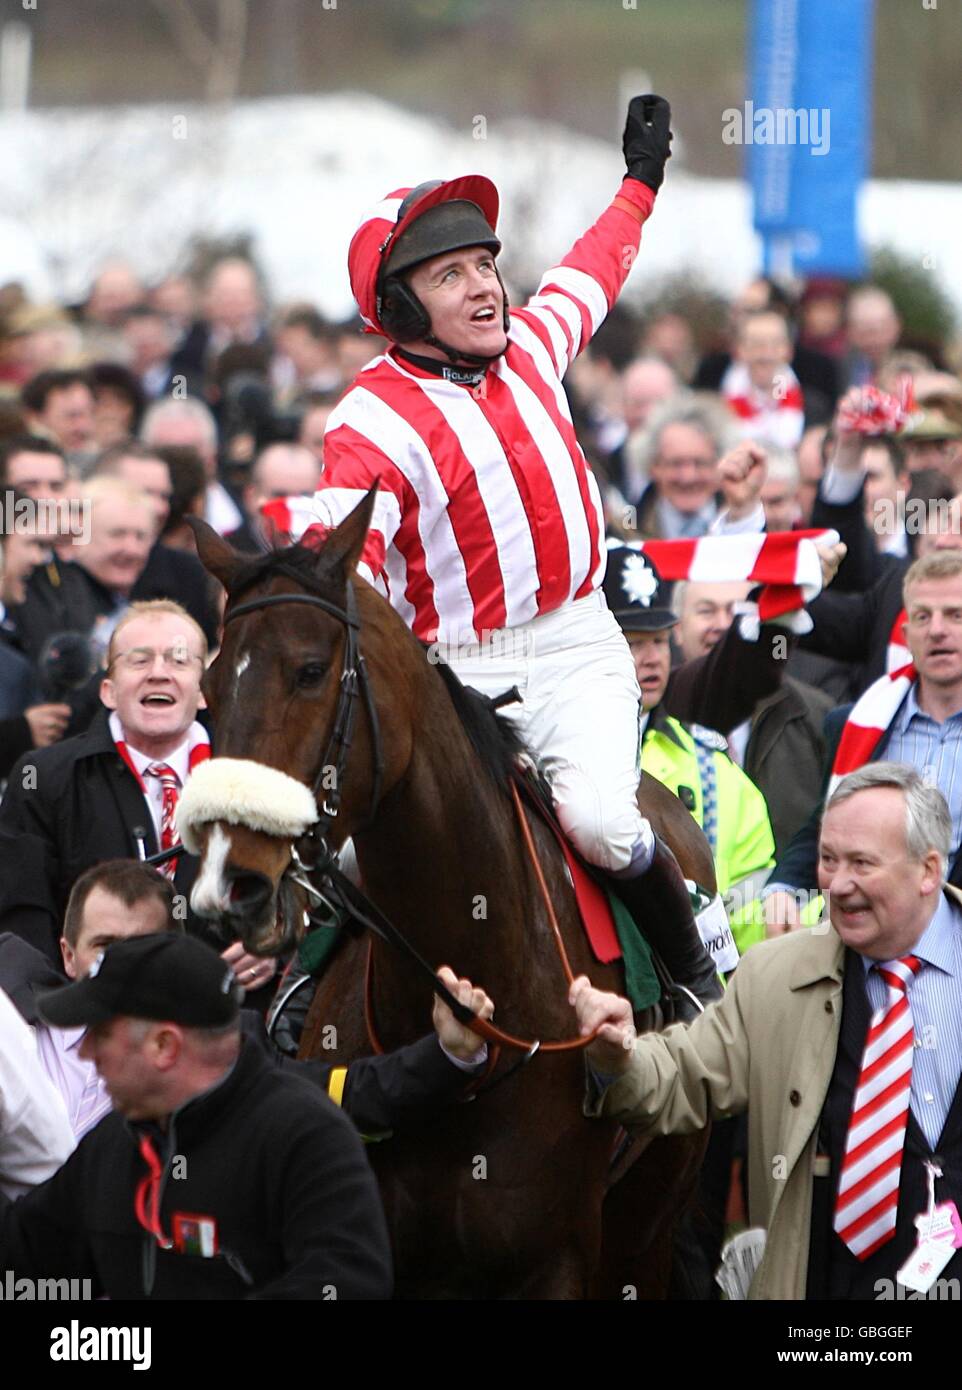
[(443, 853)]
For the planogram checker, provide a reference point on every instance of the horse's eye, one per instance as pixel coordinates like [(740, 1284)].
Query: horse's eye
[(311, 674)]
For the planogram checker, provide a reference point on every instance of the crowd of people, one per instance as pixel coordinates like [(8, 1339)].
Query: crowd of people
[(821, 758)]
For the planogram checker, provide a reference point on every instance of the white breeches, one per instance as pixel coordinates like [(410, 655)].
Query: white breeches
[(579, 717)]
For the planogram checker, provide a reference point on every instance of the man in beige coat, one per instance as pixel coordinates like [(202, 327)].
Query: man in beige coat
[(777, 1044)]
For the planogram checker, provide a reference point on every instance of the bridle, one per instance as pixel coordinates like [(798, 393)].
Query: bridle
[(354, 681)]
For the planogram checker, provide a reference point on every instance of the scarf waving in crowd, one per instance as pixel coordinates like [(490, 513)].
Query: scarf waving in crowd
[(785, 563)]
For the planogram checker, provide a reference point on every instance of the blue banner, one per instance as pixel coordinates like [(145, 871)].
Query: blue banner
[(806, 129)]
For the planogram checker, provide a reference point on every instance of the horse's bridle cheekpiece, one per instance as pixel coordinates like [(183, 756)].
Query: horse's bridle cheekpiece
[(354, 681)]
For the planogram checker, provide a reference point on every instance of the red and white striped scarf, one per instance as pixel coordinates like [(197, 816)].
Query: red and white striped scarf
[(898, 655), (198, 749), (774, 417), (868, 721), (786, 563), (875, 709)]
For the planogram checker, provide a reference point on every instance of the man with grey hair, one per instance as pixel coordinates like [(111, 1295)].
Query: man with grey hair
[(843, 1043), (190, 422), (679, 452)]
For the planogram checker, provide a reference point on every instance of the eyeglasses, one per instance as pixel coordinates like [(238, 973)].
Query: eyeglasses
[(142, 658)]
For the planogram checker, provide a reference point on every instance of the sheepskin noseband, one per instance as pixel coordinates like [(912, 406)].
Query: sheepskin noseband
[(242, 792)]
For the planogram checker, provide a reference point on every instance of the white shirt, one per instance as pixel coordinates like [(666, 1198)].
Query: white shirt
[(77, 1080), (738, 742), (179, 760), (220, 509), (35, 1134)]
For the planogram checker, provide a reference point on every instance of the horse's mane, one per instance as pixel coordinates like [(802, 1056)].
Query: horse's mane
[(493, 738), (297, 562)]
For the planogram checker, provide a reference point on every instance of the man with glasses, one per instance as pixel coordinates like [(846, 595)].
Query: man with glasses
[(111, 792), (684, 441)]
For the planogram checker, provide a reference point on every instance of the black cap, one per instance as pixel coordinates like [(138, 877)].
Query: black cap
[(634, 590), (164, 976)]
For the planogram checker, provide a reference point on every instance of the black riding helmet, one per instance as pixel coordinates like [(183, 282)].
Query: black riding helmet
[(447, 226)]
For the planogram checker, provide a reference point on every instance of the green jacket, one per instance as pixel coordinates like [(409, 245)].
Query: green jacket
[(728, 807)]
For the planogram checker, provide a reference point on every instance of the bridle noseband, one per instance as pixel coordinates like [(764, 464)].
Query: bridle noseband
[(354, 680)]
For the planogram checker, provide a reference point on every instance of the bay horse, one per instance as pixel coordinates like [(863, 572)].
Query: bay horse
[(505, 1196)]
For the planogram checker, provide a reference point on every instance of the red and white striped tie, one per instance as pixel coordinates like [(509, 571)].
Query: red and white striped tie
[(170, 786), (868, 1190)]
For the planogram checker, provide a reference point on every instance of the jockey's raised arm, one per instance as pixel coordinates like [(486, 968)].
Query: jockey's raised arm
[(574, 297)]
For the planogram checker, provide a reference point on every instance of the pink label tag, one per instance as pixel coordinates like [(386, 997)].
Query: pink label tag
[(941, 1224), (924, 1265)]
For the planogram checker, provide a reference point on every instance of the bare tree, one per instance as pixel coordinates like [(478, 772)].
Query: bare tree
[(221, 57)]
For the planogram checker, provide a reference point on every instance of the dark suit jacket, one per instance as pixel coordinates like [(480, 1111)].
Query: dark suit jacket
[(722, 688), (785, 755), (834, 1273), (247, 540), (66, 808), (853, 619), (17, 693)]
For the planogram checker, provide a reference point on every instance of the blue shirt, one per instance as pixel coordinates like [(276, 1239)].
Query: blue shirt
[(935, 1001), (934, 750)]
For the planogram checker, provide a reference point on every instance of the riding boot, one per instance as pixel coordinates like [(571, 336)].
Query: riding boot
[(658, 900)]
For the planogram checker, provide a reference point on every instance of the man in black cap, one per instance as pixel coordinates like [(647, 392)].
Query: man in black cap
[(217, 1175)]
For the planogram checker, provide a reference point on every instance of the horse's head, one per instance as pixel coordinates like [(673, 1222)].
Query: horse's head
[(286, 691)]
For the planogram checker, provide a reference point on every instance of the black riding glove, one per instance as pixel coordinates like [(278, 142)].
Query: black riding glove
[(647, 139)]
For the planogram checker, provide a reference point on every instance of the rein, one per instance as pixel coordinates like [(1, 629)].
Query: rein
[(354, 680)]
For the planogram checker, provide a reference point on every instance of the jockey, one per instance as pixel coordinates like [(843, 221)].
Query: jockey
[(488, 534)]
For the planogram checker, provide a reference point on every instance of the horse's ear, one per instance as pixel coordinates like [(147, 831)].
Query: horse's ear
[(217, 556), (344, 544)]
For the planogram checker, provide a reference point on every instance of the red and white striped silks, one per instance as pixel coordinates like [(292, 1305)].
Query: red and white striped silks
[(486, 514)]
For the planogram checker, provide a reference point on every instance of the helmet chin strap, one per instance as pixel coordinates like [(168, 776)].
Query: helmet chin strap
[(459, 358)]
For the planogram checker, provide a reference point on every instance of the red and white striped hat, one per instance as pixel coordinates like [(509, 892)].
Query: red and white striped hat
[(372, 241)]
